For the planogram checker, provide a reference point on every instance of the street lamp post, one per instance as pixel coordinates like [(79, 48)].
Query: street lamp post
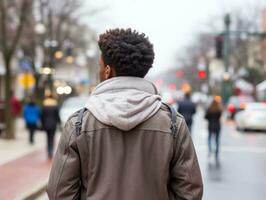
[(227, 22), (226, 49), (40, 30), (51, 46)]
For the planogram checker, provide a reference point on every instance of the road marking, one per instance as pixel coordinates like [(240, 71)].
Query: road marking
[(235, 149)]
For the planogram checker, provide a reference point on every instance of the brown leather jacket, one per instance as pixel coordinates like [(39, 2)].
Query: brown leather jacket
[(146, 163)]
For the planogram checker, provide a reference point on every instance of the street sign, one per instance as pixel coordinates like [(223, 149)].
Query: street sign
[(26, 80), (25, 64)]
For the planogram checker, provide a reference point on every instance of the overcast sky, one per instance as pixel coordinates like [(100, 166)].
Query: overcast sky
[(170, 24)]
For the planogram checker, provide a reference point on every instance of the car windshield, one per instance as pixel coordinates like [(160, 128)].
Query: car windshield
[(257, 106), (237, 100)]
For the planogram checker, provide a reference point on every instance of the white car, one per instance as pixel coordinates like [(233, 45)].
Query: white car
[(252, 118), (72, 105)]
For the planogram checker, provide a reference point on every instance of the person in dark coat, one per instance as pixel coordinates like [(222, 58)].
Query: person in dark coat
[(31, 114), (50, 120), (187, 108), (213, 115)]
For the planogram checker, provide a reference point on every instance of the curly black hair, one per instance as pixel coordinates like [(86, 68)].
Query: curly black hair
[(127, 51)]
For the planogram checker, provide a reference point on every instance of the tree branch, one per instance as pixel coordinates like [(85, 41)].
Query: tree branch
[(68, 8), (23, 13), (3, 27)]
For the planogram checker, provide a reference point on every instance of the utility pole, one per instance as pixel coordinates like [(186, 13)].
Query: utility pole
[(207, 60), (226, 49), (227, 22)]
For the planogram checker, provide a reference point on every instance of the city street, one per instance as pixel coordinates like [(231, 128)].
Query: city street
[(242, 173), (57, 57)]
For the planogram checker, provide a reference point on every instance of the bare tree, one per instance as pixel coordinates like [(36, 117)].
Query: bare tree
[(244, 19), (195, 53), (12, 21), (61, 20)]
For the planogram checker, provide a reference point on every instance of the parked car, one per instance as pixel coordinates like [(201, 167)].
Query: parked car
[(72, 105), (252, 118), (236, 104)]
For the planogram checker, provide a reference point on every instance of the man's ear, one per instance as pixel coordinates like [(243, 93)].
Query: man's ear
[(108, 72)]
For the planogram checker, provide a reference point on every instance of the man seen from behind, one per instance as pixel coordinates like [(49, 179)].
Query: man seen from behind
[(125, 149)]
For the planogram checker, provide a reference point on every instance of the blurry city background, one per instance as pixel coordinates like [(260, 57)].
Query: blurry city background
[(212, 49)]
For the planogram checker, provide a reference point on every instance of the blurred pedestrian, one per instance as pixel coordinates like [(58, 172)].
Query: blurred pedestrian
[(16, 108), (187, 108), (31, 114), (50, 120), (213, 115), (125, 144)]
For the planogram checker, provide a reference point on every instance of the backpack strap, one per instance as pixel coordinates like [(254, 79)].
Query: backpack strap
[(78, 123), (173, 120)]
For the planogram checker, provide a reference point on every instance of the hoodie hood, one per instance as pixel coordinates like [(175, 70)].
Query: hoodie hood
[(124, 102)]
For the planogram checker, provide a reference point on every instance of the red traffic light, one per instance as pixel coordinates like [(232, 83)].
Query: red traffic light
[(202, 74)]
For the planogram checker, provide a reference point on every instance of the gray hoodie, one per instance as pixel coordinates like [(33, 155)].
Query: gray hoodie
[(124, 102)]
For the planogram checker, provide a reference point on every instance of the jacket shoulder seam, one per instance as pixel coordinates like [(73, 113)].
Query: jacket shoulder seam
[(190, 179), (182, 123), (61, 173)]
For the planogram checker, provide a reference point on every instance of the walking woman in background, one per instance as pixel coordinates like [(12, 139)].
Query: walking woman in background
[(50, 120), (213, 115)]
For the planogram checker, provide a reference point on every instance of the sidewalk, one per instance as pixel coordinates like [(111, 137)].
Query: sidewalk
[(24, 168), (24, 176)]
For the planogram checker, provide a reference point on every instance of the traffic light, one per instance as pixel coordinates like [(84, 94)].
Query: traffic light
[(219, 40), (202, 74)]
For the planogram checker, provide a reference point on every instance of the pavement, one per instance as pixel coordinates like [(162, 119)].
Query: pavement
[(24, 168)]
